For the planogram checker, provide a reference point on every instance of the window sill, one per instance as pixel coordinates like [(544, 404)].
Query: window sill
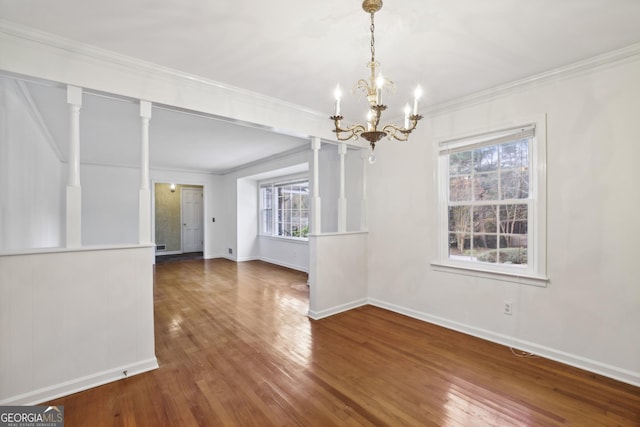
[(523, 279), (299, 240)]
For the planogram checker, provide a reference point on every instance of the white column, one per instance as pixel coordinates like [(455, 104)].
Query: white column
[(342, 200), (316, 214), (364, 155), (74, 191), (144, 196)]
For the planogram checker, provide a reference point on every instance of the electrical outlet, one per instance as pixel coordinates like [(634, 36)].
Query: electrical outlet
[(230, 250), (508, 307)]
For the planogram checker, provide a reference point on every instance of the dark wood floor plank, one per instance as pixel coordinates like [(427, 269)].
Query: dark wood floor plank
[(236, 348)]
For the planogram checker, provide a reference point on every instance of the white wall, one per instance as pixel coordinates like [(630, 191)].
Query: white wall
[(109, 204), (588, 315), (353, 188), (31, 209), (329, 175), (247, 214)]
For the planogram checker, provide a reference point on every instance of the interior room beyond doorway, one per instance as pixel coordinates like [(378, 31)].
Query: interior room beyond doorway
[(179, 220)]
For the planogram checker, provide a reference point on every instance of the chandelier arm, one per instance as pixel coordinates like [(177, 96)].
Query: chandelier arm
[(351, 131), (401, 134), (395, 132)]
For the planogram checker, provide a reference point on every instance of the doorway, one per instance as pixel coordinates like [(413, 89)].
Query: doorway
[(178, 218)]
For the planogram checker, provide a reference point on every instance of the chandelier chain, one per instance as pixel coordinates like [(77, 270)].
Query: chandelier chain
[(373, 39)]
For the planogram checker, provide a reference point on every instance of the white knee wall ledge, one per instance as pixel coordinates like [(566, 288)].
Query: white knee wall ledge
[(74, 319)]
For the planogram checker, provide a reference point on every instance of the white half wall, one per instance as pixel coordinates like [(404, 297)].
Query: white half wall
[(338, 273), (46, 352), (288, 253)]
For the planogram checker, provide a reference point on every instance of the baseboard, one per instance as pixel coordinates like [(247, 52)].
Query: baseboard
[(596, 367), (317, 315), (246, 258), (214, 255), (161, 253), (80, 384)]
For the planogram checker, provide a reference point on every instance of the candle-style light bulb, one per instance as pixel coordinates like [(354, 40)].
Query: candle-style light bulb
[(379, 85), (417, 94), (407, 112), (338, 95)]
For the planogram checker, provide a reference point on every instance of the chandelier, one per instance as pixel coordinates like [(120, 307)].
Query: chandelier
[(372, 88)]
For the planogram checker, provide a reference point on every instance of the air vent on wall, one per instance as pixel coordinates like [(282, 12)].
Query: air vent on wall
[(160, 248)]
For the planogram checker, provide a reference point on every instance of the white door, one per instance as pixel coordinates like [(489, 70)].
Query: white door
[(192, 220)]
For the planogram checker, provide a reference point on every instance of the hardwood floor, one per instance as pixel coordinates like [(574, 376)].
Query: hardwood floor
[(235, 348)]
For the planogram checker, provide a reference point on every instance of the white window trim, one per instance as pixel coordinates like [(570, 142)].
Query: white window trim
[(536, 271)]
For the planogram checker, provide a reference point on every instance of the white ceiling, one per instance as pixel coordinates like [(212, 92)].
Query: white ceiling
[(298, 50)]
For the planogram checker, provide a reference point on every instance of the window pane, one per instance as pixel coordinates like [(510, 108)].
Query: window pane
[(460, 218), (460, 227), (291, 210), (460, 163), (295, 192), (457, 246), (514, 155), (485, 219), (460, 188), (513, 219), (514, 184), (485, 159), (267, 221), (513, 255), (486, 186), (267, 197)]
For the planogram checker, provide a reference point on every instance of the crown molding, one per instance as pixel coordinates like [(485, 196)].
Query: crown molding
[(629, 53), (110, 58)]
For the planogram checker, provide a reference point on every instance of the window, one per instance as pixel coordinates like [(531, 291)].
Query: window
[(492, 191), (285, 209)]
